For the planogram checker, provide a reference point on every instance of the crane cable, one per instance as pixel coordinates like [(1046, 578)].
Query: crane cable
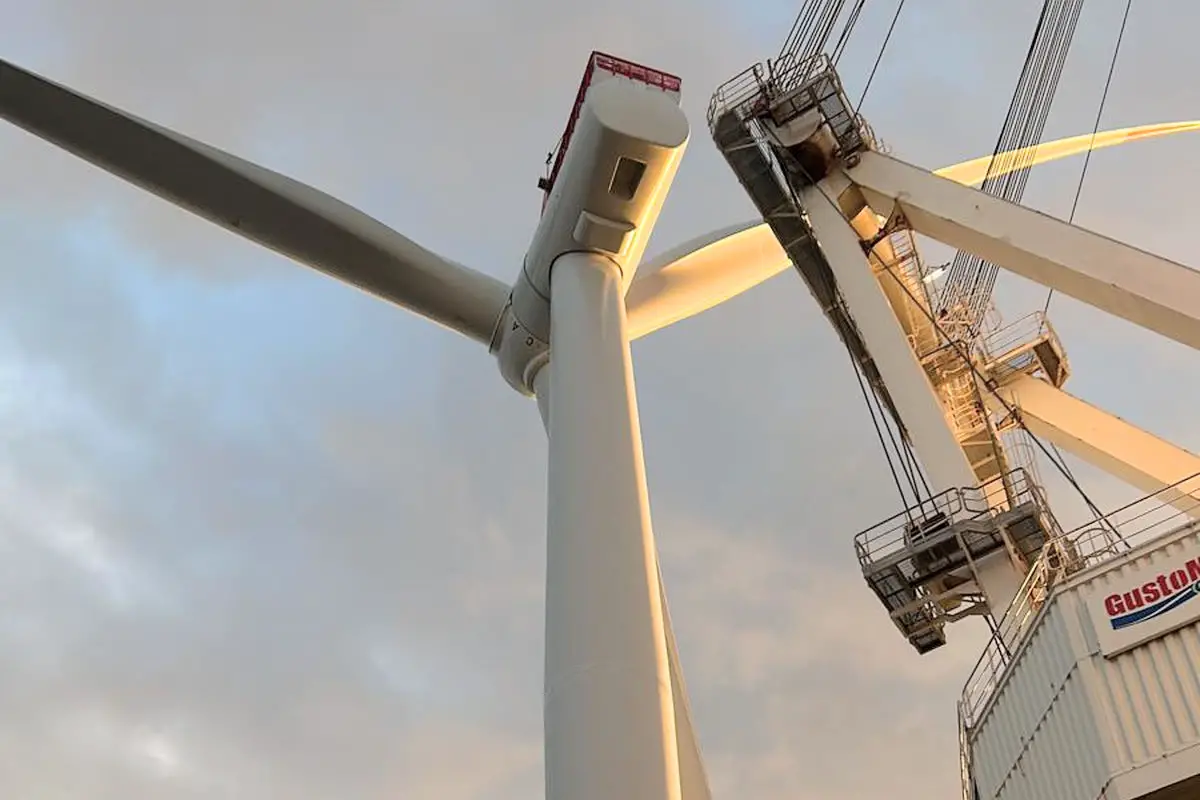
[(878, 58), (971, 280), (886, 432), (968, 273), (809, 35), (879, 420), (1087, 158), (847, 29), (1009, 409), (1031, 105), (904, 451)]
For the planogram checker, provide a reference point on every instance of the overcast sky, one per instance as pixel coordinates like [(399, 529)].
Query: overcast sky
[(262, 536)]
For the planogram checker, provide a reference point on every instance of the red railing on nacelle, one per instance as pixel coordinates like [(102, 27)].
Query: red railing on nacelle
[(616, 66)]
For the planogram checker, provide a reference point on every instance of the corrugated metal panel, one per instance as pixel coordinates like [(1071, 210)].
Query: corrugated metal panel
[(1153, 694), (1066, 720), (1150, 696), (1039, 739)]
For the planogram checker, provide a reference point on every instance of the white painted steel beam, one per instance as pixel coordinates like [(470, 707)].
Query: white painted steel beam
[(945, 464), (608, 705), (1145, 289), (900, 283), (1104, 440), (707, 271)]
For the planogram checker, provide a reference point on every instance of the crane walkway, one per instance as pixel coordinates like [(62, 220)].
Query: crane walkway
[(761, 169)]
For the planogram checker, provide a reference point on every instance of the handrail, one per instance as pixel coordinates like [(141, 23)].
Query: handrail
[(958, 504), (1087, 546), (752, 91)]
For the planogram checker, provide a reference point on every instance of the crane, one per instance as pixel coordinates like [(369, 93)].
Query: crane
[(960, 399)]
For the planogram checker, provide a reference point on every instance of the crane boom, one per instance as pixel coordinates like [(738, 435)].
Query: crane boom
[(846, 215)]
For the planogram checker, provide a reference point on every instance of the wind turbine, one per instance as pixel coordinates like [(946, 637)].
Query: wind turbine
[(617, 722)]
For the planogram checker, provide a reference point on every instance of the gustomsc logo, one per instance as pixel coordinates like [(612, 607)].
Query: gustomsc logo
[(1167, 592)]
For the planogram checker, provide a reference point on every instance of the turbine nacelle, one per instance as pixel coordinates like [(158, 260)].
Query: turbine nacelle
[(623, 156)]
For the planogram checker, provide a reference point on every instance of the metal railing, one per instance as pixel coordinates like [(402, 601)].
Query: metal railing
[(753, 92), (1010, 349), (1028, 328), (794, 73), (1019, 453), (907, 268), (965, 767), (1087, 546), (964, 405), (746, 94), (1004, 492), (909, 262)]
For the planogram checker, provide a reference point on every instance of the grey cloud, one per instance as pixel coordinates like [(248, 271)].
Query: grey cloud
[(338, 587)]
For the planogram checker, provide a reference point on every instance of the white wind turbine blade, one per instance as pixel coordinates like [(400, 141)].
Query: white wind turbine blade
[(273, 210), (972, 173), (711, 269), (700, 274)]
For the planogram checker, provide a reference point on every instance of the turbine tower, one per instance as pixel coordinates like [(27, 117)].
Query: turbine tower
[(617, 721)]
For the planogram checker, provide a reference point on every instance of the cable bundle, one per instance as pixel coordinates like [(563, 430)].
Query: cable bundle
[(969, 284), (811, 33)]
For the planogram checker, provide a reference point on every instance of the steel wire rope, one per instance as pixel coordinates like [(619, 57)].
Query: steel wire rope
[(819, 36), (1087, 158), (807, 38), (962, 262), (1009, 409), (1033, 130), (844, 37), (800, 28), (879, 57), (899, 449), (965, 263), (971, 280)]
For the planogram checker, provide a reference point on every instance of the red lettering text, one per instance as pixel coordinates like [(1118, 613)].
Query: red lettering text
[(1179, 579), (1134, 600), (1152, 592)]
